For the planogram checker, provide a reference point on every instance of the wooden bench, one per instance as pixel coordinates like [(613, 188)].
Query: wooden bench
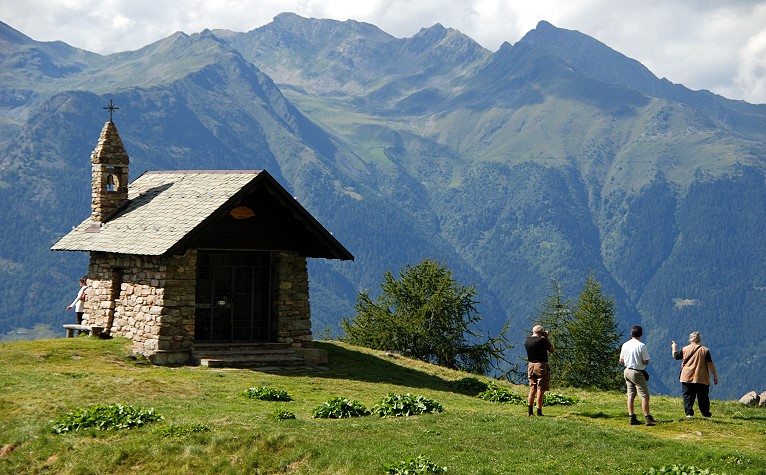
[(92, 331)]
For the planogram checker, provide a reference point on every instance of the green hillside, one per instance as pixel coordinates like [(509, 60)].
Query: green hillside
[(209, 427)]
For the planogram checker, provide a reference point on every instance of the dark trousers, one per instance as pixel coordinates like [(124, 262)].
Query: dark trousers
[(690, 391), (79, 321)]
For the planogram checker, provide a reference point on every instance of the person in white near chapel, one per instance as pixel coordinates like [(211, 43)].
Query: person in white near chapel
[(79, 301)]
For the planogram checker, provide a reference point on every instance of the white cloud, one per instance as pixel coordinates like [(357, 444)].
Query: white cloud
[(751, 68), (707, 44)]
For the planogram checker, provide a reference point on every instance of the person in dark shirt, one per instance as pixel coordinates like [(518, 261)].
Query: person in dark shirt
[(538, 345)]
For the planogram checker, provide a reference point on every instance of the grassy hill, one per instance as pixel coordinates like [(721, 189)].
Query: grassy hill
[(44, 379)]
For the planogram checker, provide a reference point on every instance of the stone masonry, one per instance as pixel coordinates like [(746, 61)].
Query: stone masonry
[(148, 299), (292, 300), (291, 304), (109, 174)]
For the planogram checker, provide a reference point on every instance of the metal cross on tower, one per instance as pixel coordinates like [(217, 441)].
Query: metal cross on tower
[(111, 108)]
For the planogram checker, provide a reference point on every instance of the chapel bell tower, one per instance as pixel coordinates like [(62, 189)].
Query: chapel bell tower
[(109, 173)]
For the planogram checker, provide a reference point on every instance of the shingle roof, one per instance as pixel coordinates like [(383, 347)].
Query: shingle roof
[(163, 208)]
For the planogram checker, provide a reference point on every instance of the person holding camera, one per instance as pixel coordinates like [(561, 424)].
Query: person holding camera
[(635, 356), (538, 345), (696, 368)]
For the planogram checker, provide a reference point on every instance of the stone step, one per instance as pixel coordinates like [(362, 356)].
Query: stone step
[(252, 361), (245, 355)]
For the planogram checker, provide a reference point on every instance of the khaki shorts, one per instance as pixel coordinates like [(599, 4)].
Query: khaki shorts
[(539, 375), (636, 383)]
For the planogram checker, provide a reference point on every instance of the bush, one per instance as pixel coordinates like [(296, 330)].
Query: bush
[(418, 465), (495, 393), (340, 408), (678, 470), (265, 393), (553, 399), (104, 417), (396, 405), (282, 415), (179, 430)]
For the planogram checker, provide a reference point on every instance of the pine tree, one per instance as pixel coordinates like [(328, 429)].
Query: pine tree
[(595, 340), (426, 314), (555, 315)]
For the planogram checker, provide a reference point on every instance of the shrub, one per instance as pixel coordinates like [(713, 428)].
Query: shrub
[(553, 399), (265, 393), (678, 470), (395, 405), (284, 414), (495, 393), (179, 430), (418, 465), (104, 417), (340, 408)]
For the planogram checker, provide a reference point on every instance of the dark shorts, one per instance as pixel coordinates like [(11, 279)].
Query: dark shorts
[(539, 375)]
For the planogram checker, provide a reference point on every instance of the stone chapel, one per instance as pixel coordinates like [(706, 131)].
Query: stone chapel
[(199, 266)]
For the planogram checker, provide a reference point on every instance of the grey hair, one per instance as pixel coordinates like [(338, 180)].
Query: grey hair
[(538, 330), (695, 337)]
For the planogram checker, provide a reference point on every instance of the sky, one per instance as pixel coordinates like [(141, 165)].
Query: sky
[(718, 45)]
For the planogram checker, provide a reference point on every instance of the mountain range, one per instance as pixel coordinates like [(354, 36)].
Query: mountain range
[(550, 158)]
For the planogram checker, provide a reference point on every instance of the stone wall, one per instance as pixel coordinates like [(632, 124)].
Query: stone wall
[(290, 300), (148, 299), (291, 303)]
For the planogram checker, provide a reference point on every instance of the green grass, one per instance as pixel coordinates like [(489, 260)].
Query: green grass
[(41, 380)]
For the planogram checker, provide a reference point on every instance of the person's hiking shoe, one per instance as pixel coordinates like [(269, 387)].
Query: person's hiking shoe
[(707, 415), (529, 411), (539, 412), (634, 420), (650, 421), (689, 416)]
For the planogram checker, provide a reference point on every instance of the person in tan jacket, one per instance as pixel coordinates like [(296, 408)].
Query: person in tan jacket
[(696, 368)]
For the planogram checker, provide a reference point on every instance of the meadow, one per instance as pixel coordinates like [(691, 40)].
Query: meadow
[(209, 427)]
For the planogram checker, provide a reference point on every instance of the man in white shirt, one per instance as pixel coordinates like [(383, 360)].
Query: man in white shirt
[(635, 357)]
